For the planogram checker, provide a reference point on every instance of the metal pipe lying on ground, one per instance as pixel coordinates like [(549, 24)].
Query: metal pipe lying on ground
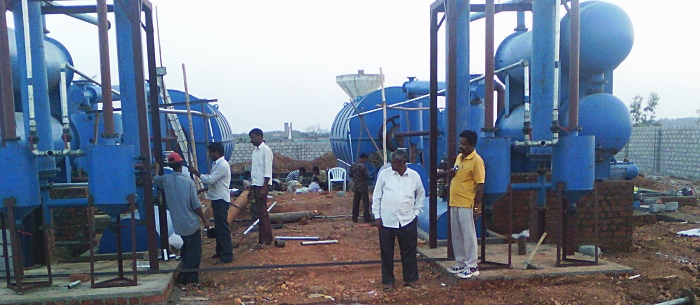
[(297, 237), (319, 242), (258, 220)]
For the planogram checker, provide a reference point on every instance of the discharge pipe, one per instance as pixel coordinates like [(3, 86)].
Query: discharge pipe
[(107, 107), (574, 67), (33, 138), (527, 125)]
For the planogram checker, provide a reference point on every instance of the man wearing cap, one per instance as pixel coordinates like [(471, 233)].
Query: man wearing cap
[(218, 181), (184, 207)]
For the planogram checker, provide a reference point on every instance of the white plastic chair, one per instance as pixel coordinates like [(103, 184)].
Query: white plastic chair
[(336, 174)]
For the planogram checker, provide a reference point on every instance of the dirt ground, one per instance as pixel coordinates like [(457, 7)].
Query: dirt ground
[(665, 262)]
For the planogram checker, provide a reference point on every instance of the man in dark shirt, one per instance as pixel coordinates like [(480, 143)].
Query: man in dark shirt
[(360, 176)]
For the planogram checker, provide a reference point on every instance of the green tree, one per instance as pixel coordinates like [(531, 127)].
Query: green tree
[(645, 116)]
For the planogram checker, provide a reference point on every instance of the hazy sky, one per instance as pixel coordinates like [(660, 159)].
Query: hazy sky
[(275, 61)]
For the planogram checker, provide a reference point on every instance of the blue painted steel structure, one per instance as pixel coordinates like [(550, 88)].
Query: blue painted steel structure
[(530, 135), (50, 145)]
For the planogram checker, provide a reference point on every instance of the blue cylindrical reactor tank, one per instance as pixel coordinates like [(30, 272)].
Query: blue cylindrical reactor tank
[(607, 36), (573, 164), (112, 178), (348, 133), (20, 181), (218, 130)]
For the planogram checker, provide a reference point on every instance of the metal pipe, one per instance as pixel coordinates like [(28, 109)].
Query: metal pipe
[(68, 185), (501, 98), (432, 201), (7, 97), (527, 130), (557, 73), (412, 133), (84, 17), (88, 78), (64, 110), (59, 153), (574, 61), (489, 65), (105, 74), (30, 80), (257, 221)]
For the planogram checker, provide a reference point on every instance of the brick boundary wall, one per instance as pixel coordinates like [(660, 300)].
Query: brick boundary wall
[(296, 150), (615, 218), (665, 150)]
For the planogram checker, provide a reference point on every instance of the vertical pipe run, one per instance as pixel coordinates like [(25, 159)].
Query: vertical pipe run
[(544, 25), (575, 19), (64, 111), (155, 114), (7, 97), (107, 107), (434, 27), (32, 137), (489, 62)]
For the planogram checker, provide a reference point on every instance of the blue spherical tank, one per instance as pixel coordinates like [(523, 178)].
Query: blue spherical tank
[(112, 177), (347, 132), (220, 130), (20, 180), (604, 116), (607, 36), (56, 56)]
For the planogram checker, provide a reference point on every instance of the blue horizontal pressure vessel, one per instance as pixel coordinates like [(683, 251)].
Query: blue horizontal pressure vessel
[(20, 180), (112, 177), (611, 130), (607, 36), (56, 54)]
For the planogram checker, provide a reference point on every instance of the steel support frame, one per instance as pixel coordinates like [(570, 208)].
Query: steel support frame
[(19, 285), (566, 231), (120, 280), (490, 265)]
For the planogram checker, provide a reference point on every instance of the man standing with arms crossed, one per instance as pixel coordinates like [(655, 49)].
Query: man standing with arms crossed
[(218, 181), (184, 206), (466, 190), (396, 203), (261, 174)]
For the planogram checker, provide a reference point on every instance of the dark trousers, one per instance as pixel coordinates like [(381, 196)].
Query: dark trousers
[(224, 247), (191, 254), (408, 241), (361, 194), (258, 207)]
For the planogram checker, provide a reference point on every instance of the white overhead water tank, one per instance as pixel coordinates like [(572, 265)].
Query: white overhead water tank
[(359, 84)]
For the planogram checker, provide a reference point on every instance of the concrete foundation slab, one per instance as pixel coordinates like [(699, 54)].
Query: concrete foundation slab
[(545, 258), (151, 289)]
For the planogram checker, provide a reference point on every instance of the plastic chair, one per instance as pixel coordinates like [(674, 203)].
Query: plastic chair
[(337, 174)]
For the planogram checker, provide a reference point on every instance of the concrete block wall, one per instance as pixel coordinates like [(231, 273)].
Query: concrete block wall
[(297, 150), (665, 150)]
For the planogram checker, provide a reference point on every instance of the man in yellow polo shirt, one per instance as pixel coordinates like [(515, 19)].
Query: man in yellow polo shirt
[(466, 190)]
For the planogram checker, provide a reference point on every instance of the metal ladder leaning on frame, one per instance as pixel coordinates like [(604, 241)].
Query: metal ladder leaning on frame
[(175, 124)]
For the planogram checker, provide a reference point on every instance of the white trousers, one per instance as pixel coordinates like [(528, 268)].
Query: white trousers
[(464, 241)]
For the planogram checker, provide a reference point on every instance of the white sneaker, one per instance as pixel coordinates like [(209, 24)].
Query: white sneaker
[(468, 272), (456, 269)]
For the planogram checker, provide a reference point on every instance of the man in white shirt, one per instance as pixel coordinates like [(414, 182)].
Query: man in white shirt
[(261, 175), (218, 181), (396, 203)]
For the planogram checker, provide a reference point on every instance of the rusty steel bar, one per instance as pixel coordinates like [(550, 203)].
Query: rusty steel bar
[(155, 122), (489, 65), (7, 97), (574, 51), (432, 201), (105, 73)]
